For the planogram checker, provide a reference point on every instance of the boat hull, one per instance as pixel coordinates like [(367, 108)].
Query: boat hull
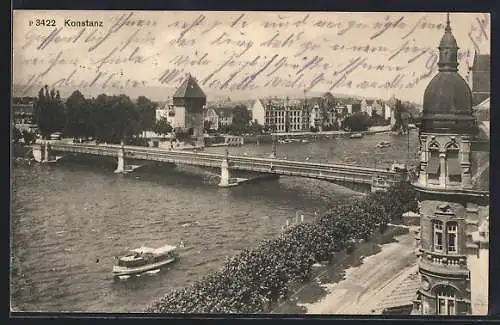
[(121, 270)]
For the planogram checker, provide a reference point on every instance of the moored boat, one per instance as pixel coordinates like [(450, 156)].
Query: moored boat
[(383, 144), (144, 259), (356, 135)]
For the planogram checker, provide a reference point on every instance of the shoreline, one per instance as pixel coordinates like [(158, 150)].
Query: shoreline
[(296, 261), (20, 150)]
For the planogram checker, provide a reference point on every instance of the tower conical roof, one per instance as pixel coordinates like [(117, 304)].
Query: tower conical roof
[(448, 49), (189, 89)]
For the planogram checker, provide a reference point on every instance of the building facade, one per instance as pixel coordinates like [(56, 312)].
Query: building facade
[(23, 113), (224, 115), (211, 116), (387, 111), (166, 110), (479, 78), (288, 115), (298, 118), (275, 117), (482, 110), (316, 117), (188, 102), (453, 188), (367, 106), (258, 111)]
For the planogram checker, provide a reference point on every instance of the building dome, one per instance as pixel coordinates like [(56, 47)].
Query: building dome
[(447, 106)]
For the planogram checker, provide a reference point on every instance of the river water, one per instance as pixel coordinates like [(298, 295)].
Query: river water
[(69, 220)]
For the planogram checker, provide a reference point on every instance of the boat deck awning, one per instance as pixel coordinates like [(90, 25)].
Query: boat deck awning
[(164, 249), (156, 251), (142, 250)]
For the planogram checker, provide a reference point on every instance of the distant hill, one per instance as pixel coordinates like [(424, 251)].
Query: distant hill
[(157, 93), (154, 93)]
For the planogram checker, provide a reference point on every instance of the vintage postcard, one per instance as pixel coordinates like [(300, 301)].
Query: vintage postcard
[(250, 162)]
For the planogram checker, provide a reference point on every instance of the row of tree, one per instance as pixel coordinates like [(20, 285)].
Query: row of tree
[(404, 113), (258, 278), (361, 121), (105, 118), (27, 136), (116, 118)]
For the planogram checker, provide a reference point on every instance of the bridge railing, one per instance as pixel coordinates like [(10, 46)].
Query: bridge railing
[(214, 155), (211, 158), (290, 169)]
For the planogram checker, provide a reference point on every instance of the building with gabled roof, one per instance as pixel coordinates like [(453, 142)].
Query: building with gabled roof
[(188, 102), (189, 90)]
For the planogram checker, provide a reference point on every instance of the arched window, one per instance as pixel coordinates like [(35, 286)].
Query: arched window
[(433, 165), (446, 301), (437, 240), (453, 169)]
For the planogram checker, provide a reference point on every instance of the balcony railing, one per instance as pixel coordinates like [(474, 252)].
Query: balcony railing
[(442, 259)]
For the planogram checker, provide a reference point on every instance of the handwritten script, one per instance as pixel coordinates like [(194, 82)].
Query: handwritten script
[(256, 53)]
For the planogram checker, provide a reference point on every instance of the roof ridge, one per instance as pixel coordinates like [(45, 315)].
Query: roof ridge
[(189, 89)]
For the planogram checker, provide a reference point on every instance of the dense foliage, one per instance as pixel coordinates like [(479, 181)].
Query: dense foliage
[(79, 111), (147, 112), (357, 122), (404, 113), (241, 120), (49, 112), (16, 134), (255, 278), (106, 118), (162, 126), (378, 120), (29, 137), (115, 118)]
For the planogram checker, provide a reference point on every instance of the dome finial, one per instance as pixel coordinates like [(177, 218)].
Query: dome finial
[(448, 27)]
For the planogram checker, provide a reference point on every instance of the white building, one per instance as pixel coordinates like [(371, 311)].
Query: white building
[(211, 116), (258, 111)]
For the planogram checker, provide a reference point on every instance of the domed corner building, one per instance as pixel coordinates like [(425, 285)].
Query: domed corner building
[(453, 189)]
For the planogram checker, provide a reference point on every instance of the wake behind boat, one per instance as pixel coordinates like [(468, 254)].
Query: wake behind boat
[(144, 259)]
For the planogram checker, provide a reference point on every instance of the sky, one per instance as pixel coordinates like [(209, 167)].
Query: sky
[(244, 55)]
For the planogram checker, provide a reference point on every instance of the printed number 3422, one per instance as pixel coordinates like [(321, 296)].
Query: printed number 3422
[(45, 22)]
